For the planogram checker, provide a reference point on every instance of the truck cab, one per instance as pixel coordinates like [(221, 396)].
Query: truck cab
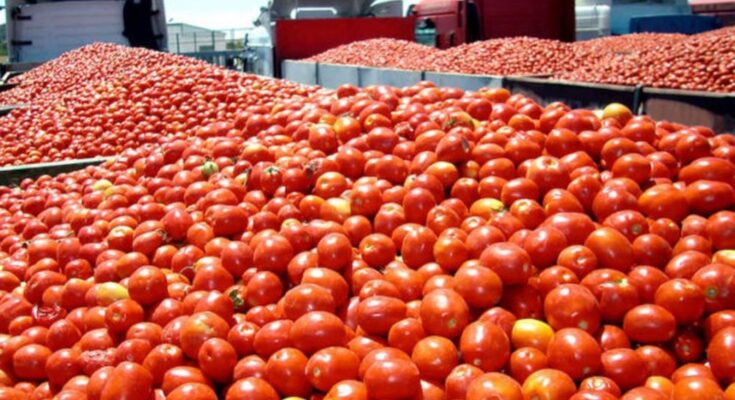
[(464, 21)]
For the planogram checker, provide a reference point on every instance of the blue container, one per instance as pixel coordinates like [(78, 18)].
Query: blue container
[(687, 24)]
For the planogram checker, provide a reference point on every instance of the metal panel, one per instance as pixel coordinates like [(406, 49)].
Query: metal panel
[(392, 77), (7, 86), (6, 109), (52, 28), (301, 72), (331, 76), (11, 176), (55, 27), (464, 81), (575, 94), (713, 110)]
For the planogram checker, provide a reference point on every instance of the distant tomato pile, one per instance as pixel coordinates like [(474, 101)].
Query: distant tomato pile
[(99, 61), (101, 99), (379, 53), (507, 56), (703, 62), (255, 239)]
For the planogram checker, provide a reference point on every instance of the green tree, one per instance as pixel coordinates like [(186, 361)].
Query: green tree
[(234, 44)]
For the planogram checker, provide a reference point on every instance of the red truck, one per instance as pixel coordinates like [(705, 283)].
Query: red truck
[(723, 9), (462, 21)]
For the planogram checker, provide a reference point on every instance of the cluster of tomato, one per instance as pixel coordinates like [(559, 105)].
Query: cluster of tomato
[(379, 243), (508, 56), (700, 62), (380, 53), (626, 44), (98, 61), (121, 98)]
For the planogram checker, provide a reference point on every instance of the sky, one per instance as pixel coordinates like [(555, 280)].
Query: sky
[(213, 14)]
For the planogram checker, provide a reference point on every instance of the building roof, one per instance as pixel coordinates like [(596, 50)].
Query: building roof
[(185, 25)]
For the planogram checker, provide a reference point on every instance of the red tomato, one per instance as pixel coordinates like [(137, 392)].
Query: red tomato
[(721, 231), (347, 390), (697, 388), (331, 365), (444, 313), (649, 323), (200, 327), (479, 286), (511, 263), (572, 306), (315, 330), (392, 379), (251, 388), (286, 371), (683, 298), (459, 380), (612, 249), (192, 391), (480, 339), (575, 352), (435, 357), (377, 314), (718, 354), (549, 384), (617, 364), (494, 384), (128, 380)]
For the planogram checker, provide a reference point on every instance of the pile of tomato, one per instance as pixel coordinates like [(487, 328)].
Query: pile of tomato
[(94, 62), (700, 62), (101, 99), (508, 56), (703, 62), (626, 44), (379, 243), (379, 53)]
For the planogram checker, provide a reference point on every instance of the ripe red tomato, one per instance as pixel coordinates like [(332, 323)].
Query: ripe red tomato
[(217, 359), (286, 371), (252, 388), (494, 384), (128, 380), (480, 339), (572, 306), (196, 391), (377, 314), (445, 313), (200, 327), (549, 383), (649, 323), (479, 286), (511, 263), (718, 351), (575, 352), (347, 389), (315, 330), (683, 298), (435, 357), (392, 379), (697, 388), (617, 364), (331, 365), (611, 248)]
